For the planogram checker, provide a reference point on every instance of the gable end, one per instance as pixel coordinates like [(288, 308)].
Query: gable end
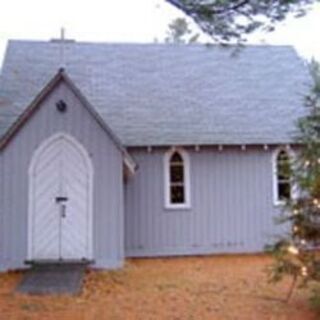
[(36, 103)]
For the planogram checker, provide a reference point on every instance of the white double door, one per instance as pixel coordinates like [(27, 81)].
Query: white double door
[(60, 183)]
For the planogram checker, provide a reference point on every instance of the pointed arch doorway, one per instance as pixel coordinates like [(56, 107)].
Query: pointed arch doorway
[(60, 201)]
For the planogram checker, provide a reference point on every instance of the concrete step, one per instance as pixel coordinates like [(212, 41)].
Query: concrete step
[(53, 278)]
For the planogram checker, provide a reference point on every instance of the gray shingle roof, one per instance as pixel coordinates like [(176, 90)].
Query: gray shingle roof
[(155, 94)]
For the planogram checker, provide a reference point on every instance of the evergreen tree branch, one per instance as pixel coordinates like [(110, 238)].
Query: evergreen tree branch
[(230, 20)]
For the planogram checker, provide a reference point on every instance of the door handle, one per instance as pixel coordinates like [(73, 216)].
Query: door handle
[(61, 199), (63, 211)]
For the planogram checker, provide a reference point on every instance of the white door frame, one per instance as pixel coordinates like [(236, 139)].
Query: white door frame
[(36, 154)]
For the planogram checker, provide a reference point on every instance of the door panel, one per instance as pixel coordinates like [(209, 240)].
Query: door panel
[(60, 183), (45, 219), (75, 187)]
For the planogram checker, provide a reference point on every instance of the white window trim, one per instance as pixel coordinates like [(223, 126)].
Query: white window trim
[(293, 189), (186, 172)]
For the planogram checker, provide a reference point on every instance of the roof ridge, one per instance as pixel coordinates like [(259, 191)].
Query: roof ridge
[(158, 44)]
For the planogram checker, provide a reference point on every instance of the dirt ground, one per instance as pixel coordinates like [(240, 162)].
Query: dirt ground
[(215, 287)]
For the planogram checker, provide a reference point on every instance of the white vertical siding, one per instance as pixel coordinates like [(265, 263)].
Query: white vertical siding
[(231, 204), (108, 185)]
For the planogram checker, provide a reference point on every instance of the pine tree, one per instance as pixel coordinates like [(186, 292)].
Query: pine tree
[(233, 20), (179, 31), (296, 253)]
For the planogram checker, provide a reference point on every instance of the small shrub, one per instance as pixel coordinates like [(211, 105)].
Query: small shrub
[(315, 300)]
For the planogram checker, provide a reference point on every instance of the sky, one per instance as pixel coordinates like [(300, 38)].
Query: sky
[(127, 21)]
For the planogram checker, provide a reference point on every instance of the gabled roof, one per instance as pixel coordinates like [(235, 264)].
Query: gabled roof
[(155, 94), (61, 75)]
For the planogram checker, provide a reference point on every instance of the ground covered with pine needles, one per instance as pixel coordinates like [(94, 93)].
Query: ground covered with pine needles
[(215, 287)]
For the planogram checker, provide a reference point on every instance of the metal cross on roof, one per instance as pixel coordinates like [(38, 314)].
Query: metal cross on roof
[(62, 43)]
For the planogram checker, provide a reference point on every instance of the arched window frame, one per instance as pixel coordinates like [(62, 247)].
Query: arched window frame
[(293, 190), (167, 183)]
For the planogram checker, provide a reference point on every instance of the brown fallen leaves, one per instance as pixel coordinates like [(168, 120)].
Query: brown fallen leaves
[(212, 287)]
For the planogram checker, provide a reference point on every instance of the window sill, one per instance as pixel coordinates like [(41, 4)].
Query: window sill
[(279, 203), (178, 207)]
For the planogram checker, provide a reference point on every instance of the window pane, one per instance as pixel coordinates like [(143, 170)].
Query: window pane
[(284, 190), (176, 157), (176, 173), (177, 194), (283, 170), (283, 165), (283, 155)]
